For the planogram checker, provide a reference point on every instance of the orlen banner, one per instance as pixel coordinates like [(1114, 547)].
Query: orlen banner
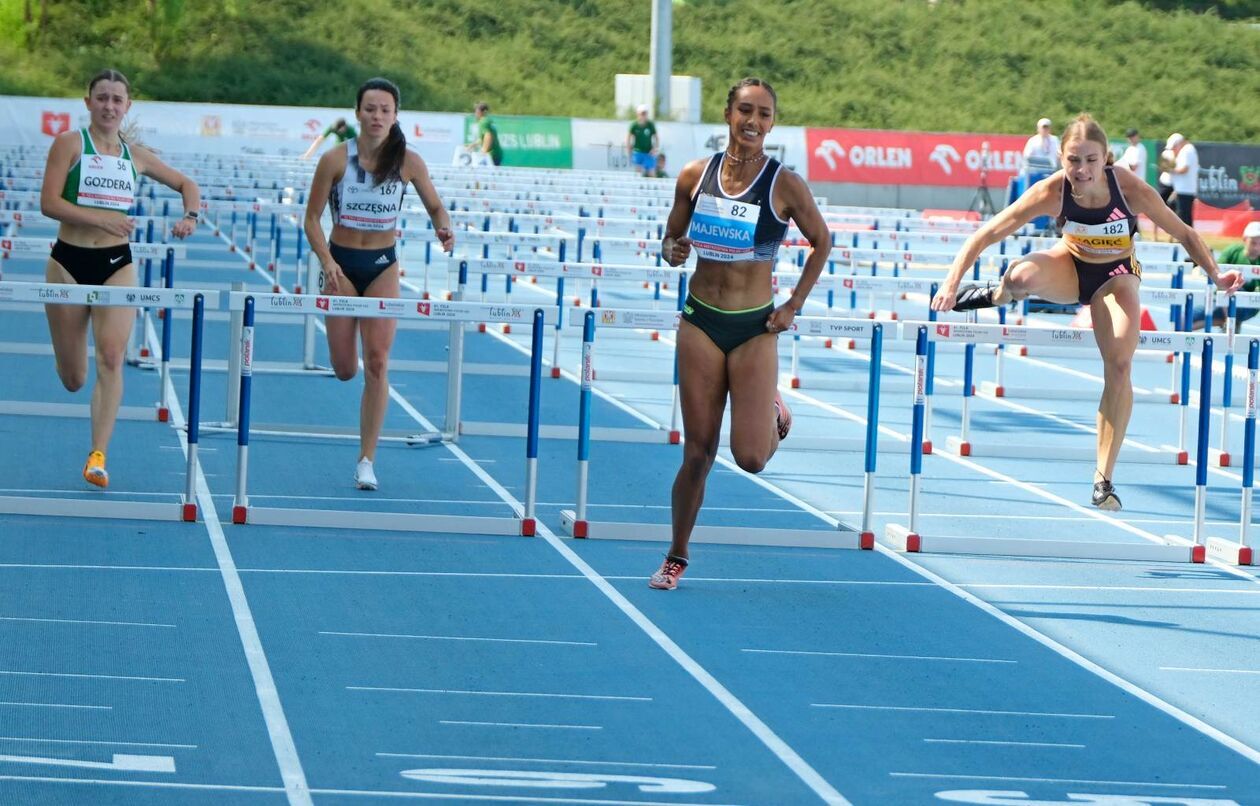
[(867, 156)]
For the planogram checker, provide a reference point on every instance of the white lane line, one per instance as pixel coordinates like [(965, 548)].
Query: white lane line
[(37, 779), (1208, 671), (81, 621), (1006, 744), (456, 638), (121, 762), (874, 655), (59, 705), (296, 788), (15, 673), (554, 761), (977, 711), (74, 567), (1052, 780), (96, 742), (609, 697), (1111, 588), (518, 725), (483, 798), (784, 752)]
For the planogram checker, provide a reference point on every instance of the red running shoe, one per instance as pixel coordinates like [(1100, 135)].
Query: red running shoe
[(666, 579), (782, 416)]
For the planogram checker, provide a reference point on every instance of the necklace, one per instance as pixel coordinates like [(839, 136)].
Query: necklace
[(734, 160)]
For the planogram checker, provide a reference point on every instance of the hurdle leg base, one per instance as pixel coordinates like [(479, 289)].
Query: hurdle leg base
[(655, 335), (1224, 460), (675, 438), (866, 541), (1229, 551), (1198, 554), (1183, 458), (481, 327), (796, 383), (964, 449), (240, 515), (163, 414), (1174, 398), (826, 344), (927, 446), (555, 372), (189, 513), (529, 527)]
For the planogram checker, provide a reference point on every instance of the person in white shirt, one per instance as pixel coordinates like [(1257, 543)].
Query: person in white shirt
[(1134, 157), (1184, 175), (1041, 152)]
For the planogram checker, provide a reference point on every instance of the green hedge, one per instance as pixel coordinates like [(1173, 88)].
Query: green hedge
[(959, 65)]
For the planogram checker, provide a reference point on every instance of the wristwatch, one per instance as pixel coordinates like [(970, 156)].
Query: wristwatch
[(193, 214)]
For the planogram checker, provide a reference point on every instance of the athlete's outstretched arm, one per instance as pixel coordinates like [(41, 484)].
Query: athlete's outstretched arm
[(151, 165)]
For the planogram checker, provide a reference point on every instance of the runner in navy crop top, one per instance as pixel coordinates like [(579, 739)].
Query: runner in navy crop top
[(733, 210), (1092, 264)]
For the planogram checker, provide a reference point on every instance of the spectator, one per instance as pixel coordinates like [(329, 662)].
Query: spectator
[(1184, 176), (487, 141), (642, 143), (1246, 253), (339, 129), (1041, 152), (1134, 157), (659, 171)]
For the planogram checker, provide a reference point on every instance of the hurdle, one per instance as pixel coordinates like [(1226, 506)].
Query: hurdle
[(1240, 552), (971, 334), (455, 313), (122, 297), (907, 537), (576, 523)]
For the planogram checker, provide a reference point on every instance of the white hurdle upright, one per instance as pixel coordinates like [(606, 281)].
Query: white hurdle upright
[(908, 538), (971, 334), (124, 297), (455, 313), (575, 521), (1240, 552)]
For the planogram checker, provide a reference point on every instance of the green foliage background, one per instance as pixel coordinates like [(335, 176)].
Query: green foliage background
[(953, 65)]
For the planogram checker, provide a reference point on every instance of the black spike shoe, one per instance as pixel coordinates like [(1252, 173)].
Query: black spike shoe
[(1105, 497), (972, 297)]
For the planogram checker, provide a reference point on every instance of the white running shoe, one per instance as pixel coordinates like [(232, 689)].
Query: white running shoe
[(364, 476)]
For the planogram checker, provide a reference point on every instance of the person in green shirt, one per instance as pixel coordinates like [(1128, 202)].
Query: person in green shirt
[(642, 143), (487, 135), (659, 171), (1246, 253), (340, 129)]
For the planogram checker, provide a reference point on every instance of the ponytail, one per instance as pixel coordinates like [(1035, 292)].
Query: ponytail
[(389, 161)]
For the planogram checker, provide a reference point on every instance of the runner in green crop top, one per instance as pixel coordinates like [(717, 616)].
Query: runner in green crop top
[(90, 183)]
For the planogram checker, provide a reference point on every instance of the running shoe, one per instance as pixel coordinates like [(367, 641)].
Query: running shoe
[(94, 471), (782, 416), (1105, 497), (971, 297), (364, 475), (666, 579)]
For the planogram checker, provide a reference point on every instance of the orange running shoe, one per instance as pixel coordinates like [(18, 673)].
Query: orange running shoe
[(666, 579), (94, 471), (782, 416)]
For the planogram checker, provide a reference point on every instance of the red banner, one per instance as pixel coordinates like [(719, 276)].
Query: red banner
[(912, 158)]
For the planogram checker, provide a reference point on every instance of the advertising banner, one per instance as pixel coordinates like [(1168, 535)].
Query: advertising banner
[(867, 156), (1229, 175), (219, 128), (532, 142)]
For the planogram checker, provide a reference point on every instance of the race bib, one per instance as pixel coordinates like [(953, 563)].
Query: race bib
[(1108, 239), (722, 229)]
